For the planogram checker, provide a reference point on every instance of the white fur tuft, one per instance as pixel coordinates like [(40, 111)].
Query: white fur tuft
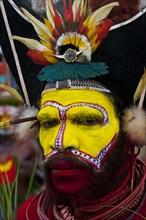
[(135, 125), (39, 6), (26, 129), (142, 4)]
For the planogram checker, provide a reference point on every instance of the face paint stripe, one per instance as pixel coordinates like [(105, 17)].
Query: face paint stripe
[(62, 112), (96, 161), (59, 138), (65, 108)]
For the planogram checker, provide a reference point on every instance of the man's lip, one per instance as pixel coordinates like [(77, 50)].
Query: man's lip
[(66, 168), (64, 165), (65, 172)]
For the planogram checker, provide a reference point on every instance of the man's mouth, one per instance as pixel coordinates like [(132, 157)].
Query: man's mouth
[(68, 177), (65, 169), (65, 172)]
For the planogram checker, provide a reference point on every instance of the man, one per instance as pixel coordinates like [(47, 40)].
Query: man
[(90, 163), (87, 164)]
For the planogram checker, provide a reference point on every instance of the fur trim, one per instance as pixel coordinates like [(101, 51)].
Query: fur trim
[(142, 4), (135, 125), (39, 6), (26, 129), (126, 10)]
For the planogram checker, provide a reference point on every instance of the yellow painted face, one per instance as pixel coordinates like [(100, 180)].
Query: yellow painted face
[(83, 121)]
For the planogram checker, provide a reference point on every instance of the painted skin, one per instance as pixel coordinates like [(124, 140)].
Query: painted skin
[(84, 126), (82, 122)]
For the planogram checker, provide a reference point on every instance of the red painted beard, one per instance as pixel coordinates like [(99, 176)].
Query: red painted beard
[(68, 174), (71, 178)]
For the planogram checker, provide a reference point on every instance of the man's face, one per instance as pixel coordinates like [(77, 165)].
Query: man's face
[(78, 124)]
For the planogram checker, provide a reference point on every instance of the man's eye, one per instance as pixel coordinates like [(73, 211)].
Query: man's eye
[(88, 122), (51, 123)]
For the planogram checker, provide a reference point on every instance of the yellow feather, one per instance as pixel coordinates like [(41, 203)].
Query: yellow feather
[(95, 46), (48, 24), (48, 46), (72, 38), (102, 12), (13, 92), (30, 43), (77, 40), (141, 87), (5, 124), (82, 44), (91, 32), (85, 7), (76, 5), (46, 38), (37, 24), (50, 12), (66, 39), (49, 57)]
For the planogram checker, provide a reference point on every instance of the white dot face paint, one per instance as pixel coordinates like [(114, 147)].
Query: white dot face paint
[(84, 123)]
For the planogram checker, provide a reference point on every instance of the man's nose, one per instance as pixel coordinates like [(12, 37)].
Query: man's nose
[(67, 149), (67, 139)]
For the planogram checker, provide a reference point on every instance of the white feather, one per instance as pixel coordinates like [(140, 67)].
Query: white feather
[(31, 43), (17, 9), (49, 12), (102, 12), (86, 51), (37, 24), (76, 5)]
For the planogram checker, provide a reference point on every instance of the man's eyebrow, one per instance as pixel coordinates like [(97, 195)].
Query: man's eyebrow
[(86, 114), (49, 115)]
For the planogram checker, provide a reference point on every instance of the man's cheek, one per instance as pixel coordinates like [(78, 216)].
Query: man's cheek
[(95, 140), (47, 140)]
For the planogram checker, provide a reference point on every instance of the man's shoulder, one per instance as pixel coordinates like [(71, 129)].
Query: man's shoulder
[(28, 210)]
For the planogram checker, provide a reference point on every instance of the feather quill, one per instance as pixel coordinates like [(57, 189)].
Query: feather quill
[(18, 10), (13, 92), (16, 59), (141, 88), (37, 24), (26, 129)]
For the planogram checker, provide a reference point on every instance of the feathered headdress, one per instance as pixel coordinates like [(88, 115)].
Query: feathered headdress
[(73, 36)]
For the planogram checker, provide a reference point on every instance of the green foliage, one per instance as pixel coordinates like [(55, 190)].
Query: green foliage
[(9, 195)]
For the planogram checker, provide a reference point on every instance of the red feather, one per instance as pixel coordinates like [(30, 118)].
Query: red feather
[(70, 12), (65, 11), (103, 29), (37, 57), (57, 18)]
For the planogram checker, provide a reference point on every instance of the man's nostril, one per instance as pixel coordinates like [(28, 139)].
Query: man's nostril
[(70, 148)]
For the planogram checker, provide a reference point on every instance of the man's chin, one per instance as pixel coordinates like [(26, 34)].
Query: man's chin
[(67, 174), (70, 181)]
